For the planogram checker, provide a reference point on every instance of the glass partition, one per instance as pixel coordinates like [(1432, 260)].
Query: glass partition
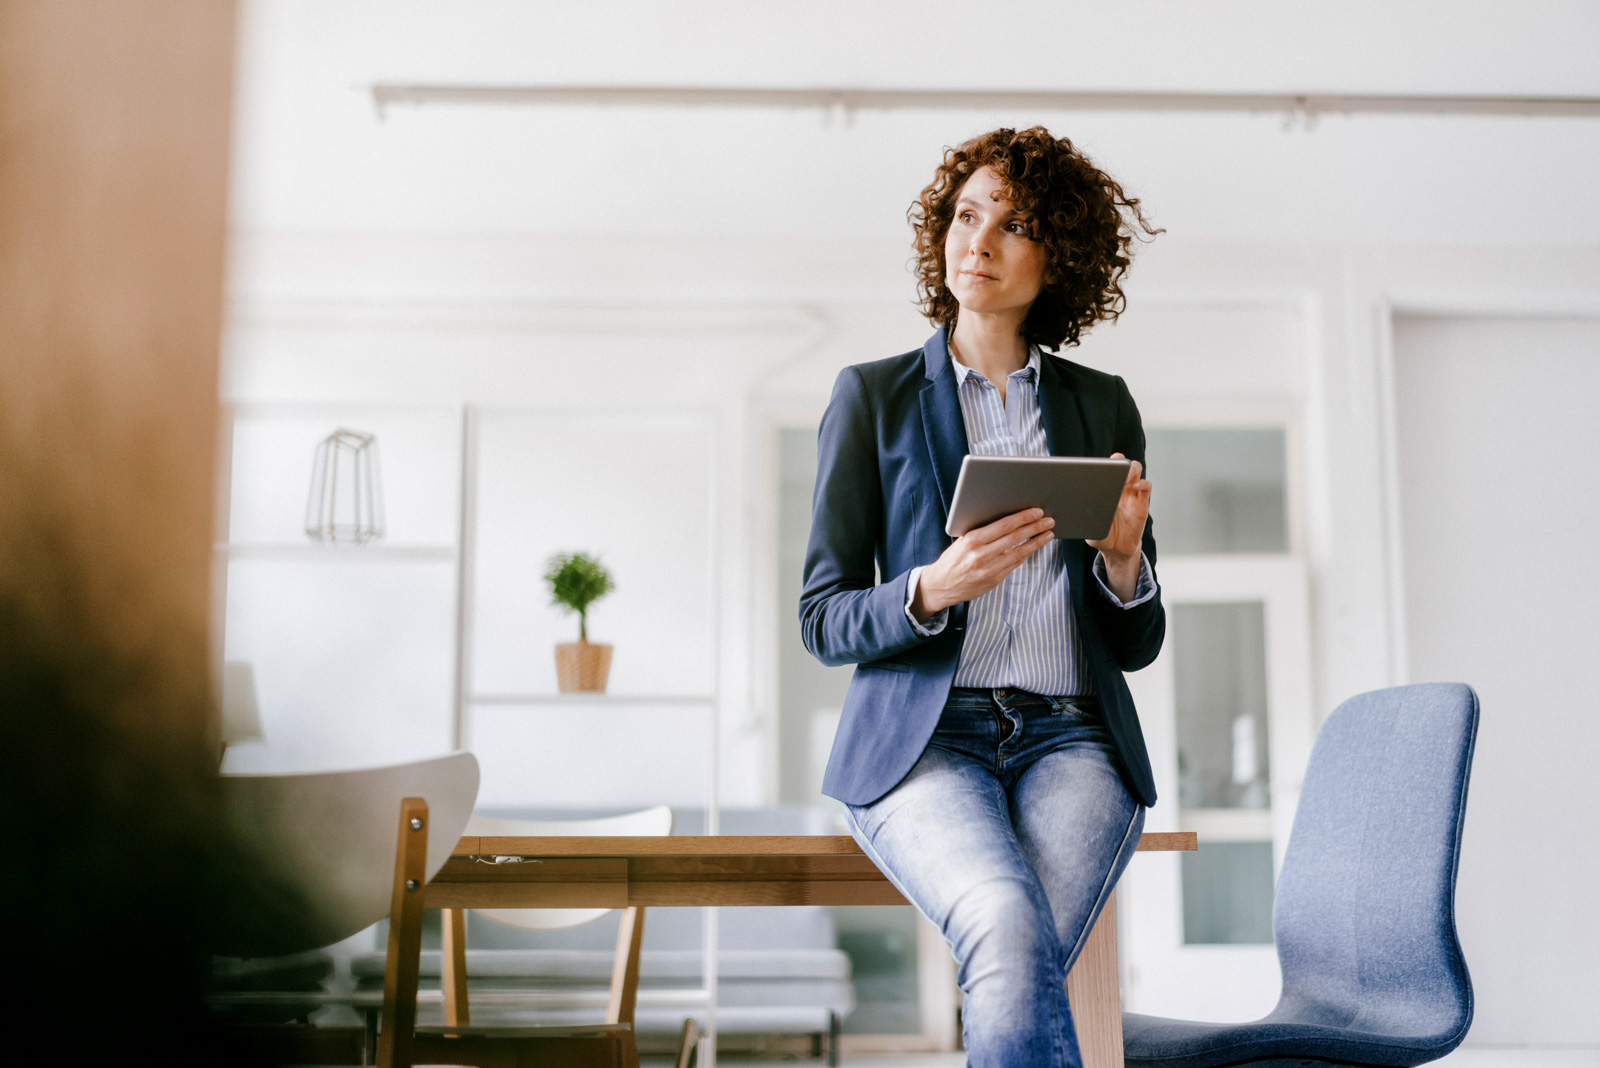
[(1219, 662), (1219, 490), (1227, 716), (1222, 491)]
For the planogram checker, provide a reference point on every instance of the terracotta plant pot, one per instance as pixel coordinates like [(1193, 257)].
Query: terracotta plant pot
[(582, 667)]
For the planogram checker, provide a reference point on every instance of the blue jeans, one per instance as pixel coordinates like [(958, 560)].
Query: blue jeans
[(1009, 834)]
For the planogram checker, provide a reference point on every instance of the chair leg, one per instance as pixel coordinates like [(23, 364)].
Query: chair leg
[(404, 959), (628, 1049), (833, 1040), (625, 967), (369, 1049), (688, 1043), (453, 977)]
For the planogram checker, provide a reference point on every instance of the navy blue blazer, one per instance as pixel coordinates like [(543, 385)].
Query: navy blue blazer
[(888, 454)]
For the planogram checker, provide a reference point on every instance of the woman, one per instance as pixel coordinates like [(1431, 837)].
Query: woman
[(989, 754)]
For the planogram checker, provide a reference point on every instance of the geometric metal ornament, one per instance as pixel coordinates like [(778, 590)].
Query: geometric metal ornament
[(346, 502)]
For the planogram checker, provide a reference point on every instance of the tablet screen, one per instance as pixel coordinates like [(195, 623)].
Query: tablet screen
[(1079, 493)]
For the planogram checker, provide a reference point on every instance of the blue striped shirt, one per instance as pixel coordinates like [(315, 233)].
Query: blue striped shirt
[(1021, 633)]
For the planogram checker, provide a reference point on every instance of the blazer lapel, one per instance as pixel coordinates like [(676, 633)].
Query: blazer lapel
[(1059, 412), (1062, 417), (941, 417)]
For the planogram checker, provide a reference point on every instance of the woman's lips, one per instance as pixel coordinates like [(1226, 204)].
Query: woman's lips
[(979, 275)]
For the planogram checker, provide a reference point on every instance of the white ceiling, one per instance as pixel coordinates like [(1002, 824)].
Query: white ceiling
[(312, 154)]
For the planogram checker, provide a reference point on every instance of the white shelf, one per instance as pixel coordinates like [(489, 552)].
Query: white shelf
[(337, 554)]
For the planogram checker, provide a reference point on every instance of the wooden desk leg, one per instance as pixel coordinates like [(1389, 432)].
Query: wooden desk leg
[(453, 976), (404, 960), (1095, 992)]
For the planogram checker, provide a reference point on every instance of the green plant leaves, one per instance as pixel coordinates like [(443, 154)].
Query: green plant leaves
[(576, 581)]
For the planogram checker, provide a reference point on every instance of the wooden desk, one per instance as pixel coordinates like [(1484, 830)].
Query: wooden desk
[(765, 870)]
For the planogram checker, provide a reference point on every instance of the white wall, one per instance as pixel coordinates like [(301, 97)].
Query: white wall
[(728, 262), (1499, 501)]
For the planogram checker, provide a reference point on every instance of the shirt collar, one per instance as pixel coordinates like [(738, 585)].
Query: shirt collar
[(1029, 369)]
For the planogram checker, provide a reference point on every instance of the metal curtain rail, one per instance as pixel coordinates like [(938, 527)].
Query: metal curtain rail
[(385, 95)]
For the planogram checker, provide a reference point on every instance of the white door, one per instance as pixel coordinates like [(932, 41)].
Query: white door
[(1498, 428), (1227, 714)]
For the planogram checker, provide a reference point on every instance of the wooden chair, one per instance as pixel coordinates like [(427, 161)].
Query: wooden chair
[(612, 1042), (333, 836), (330, 836)]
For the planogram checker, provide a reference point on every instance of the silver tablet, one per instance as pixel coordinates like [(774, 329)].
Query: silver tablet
[(1080, 494)]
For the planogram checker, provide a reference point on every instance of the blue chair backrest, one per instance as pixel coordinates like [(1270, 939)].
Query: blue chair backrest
[(1364, 916)]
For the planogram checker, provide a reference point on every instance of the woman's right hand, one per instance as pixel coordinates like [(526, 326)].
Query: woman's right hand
[(980, 560)]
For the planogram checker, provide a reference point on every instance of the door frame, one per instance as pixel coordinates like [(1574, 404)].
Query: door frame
[(1161, 973)]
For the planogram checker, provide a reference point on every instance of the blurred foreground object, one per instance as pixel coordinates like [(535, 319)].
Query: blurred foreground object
[(241, 714), (114, 130)]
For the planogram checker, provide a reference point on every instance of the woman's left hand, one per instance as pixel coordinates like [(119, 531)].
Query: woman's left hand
[(1123, 545)]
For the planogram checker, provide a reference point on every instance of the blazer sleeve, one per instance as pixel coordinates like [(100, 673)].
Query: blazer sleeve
[(1133, 635), (846, 615)]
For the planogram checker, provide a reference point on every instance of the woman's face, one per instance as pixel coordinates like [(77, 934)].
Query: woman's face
[(991, 264)]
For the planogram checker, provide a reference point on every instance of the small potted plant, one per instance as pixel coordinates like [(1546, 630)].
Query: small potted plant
[(576, 581)]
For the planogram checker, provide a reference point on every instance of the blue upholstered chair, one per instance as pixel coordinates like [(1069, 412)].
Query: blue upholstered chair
[(1364, 918)]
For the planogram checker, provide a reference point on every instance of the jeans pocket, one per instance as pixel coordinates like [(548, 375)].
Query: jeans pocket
[(1078, 708)]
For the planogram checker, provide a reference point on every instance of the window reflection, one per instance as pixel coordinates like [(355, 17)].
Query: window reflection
[(1219, 490), (1220, 661), (1224, 776), (1227, 893)]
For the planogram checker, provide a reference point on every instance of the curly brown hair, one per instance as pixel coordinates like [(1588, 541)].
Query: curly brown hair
[(1080, 213)]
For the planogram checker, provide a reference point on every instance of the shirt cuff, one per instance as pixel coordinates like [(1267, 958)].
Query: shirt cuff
[(935, 622), (1147, 582)]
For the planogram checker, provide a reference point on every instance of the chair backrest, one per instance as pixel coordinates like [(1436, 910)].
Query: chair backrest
[(331, 837), (1364, 917), (650, 822)]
